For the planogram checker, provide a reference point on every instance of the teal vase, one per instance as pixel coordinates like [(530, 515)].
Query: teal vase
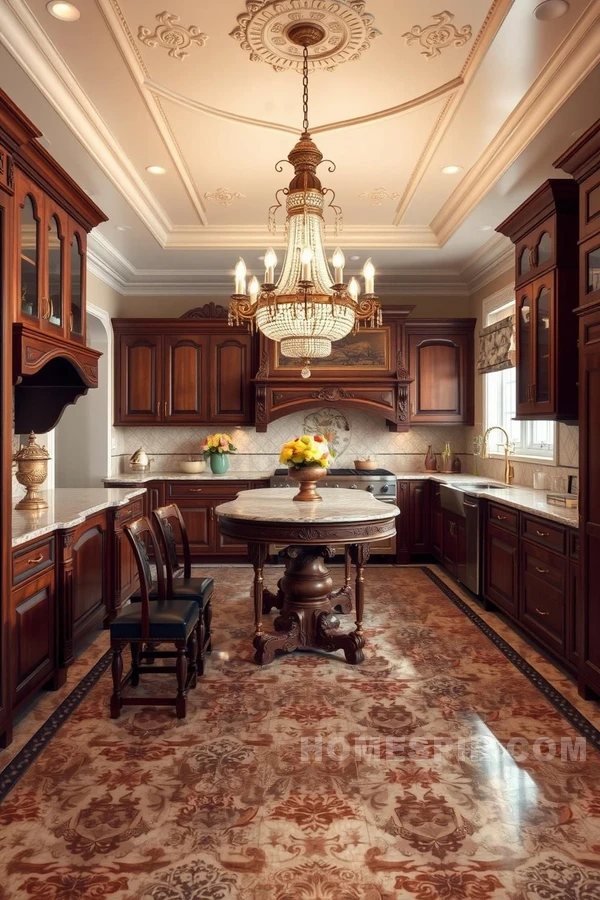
[(219, 463)]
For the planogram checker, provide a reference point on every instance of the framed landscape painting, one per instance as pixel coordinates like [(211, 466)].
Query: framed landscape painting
[(367, 351)]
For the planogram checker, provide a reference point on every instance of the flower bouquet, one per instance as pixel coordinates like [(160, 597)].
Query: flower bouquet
[(307, 458), (216, 447)]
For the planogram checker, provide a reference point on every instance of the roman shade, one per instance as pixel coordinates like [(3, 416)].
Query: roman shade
[(497, 346)]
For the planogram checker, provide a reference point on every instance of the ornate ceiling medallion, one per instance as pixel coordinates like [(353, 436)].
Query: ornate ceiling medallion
[(172, 36), (223, 196), (342, 31), (378, 196), (435, 38)]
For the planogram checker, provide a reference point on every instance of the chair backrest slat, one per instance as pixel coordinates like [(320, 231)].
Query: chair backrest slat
[(137, 533), (166, 517)]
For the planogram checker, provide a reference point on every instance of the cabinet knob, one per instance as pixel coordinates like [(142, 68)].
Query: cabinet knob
[(541, 612), (35, 561)]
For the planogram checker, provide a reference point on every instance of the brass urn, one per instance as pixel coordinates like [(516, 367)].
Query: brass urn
[(32, 471)]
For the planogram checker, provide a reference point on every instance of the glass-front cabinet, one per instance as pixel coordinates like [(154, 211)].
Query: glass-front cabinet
[(544, 232), (52, 250)]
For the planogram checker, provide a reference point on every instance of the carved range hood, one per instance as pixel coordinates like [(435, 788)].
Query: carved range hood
[(49, 374), (371, 376)]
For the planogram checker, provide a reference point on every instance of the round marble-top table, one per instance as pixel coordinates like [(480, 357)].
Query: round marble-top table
[(311, 532)]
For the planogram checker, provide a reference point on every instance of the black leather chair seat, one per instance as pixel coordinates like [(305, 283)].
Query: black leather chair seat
[(198, 589), (172, 620)]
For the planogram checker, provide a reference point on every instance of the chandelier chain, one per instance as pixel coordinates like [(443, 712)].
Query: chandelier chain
[(305, 89)]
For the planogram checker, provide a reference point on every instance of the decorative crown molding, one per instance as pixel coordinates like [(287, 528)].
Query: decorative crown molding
[(495, 258), (223, 196), (172, 36)]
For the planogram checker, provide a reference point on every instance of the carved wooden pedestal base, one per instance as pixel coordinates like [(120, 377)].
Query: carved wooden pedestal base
[(343, 597), (307, 602)]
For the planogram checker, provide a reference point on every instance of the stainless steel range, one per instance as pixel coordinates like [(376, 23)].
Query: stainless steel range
[(379, 482)]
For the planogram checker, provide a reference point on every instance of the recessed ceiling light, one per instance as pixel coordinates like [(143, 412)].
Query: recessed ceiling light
[(123, 227), (551, 9), (66, 12), (451, 170), (486, 228), (155, 170)]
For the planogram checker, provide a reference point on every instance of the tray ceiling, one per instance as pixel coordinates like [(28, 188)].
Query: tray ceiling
[(211, 93)]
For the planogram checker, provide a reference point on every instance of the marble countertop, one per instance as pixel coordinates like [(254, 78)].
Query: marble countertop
[(207, 475), (67, 507), (522, 498), (277, 505)]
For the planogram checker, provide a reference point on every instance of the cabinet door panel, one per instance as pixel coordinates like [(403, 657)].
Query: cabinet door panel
[(542, 331), (77, 282), (186, 385), (138, 381), (30, 209), (589, 270), (437, 523), (89, 578), (543, 597), (502, 569), (230, 395), (419, 517), (523, 326), (442, 371), (55, 281), (32, 647), (198, 516)]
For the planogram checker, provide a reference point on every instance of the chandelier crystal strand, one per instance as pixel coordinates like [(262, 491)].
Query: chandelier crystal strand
[(306, 309)]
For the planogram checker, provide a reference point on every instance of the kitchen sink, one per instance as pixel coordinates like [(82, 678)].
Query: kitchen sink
[(478, 486)]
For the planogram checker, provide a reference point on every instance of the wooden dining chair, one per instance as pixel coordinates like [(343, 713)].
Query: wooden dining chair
[(153, 621), (180, 583)]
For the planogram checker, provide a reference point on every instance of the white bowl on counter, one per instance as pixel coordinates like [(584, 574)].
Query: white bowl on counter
[(192, 466)]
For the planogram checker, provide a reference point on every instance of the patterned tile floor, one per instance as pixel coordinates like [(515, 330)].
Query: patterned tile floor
[(414, 775)]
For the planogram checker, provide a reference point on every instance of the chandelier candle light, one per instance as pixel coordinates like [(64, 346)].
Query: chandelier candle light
[(306, 309)]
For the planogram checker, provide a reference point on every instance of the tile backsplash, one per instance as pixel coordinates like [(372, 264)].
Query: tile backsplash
[(357, 435), (567, 461)]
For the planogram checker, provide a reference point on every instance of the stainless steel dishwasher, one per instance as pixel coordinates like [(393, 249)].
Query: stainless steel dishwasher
[(454, 499)]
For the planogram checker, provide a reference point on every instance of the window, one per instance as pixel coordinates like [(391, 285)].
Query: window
[(532, 440)]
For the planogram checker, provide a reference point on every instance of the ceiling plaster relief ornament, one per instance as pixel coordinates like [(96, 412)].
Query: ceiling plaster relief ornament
[(223, 196), (378, 196), (345, 31), (172, 36), (435, 38)]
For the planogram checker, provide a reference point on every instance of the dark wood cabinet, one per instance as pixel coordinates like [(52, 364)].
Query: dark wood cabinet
[(185, 378), (138, 379), (454, 543), (90, 568), (437, 522), (197, 501), (230, 396), (544, 595), (32, 652), (413, 523), (582, 160), (170, 372), (574, 606), (544, 230), (440, 362), (419, 517), (502, 569)]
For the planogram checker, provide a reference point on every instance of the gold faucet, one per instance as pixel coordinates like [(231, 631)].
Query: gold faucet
[(509, 472)]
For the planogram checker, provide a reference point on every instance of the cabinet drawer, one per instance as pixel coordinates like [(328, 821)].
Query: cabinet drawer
[(191, 490), (503, 517), (132, 511), (32, 559), (544, 533), (543, 598)]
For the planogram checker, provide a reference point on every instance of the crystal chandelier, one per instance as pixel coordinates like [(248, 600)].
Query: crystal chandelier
[(306, 309)]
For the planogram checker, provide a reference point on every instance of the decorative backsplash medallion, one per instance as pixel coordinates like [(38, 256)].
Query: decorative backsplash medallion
[(172, 36), (437, 37), (262, 30), (333, 425)]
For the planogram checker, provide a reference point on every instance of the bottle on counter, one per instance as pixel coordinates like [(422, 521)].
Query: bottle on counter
[(447, 458), (430, 460), (456, 465)]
